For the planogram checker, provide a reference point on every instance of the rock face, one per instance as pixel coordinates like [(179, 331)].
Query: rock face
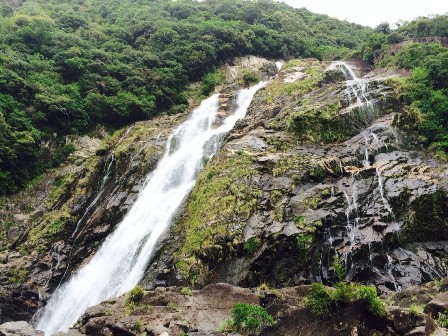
[(57, 224), (322, 174), (316, 174)]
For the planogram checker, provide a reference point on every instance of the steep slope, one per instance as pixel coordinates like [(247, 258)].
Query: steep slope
[(58, 224), (348, 185)]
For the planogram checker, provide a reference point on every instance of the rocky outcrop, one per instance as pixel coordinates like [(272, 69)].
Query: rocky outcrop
[(57, 224), (20, 328), (313, 176), (182, 311)]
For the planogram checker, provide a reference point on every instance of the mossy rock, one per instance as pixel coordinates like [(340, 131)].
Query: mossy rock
[(427, 219)]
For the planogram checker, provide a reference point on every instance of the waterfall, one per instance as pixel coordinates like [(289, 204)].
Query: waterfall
[(120, 262)]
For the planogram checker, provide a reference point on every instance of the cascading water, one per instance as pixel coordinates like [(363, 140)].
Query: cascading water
[(120, 262)]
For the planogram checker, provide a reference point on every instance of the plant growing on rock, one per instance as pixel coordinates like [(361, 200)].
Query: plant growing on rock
[(443, 320), (252, 245), (186, 291), (251, 318), (135, 295), (374, 303), (319, 299)]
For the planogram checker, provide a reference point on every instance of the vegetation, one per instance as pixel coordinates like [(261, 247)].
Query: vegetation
[(186, 291), (252, 245), (67, 65), (322, 301), (443, 320), (251, 318), (425, 92), (135, 295)]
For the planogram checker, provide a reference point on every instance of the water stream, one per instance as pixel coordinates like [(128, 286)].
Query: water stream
[(120, 262)]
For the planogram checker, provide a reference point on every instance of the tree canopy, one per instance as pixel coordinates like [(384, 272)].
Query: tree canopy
[(68, 65)]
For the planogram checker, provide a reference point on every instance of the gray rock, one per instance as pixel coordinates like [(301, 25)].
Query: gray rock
[(20, 328)]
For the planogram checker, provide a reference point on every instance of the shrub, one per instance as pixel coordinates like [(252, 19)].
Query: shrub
[(443, 320), (137, 326), (345, 292), (135, 295), (186, 291), (250, 77), (374, 303), (339, 268), (319, 299), (252, 245), (252, 318), (416, 310)]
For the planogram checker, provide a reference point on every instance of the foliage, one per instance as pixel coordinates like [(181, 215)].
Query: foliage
[(250, 77), (322, 301), (66, 66), (339, 268), (186, 291), (251, 318), (443, 320), (319, 299), (416, 310), (18, 275), (426, 90), (135, 295), (374, 304), (252, 245), (137, 326), (211, 80)]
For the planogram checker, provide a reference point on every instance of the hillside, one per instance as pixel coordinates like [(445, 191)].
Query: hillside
[(221, 168), (69, 66)]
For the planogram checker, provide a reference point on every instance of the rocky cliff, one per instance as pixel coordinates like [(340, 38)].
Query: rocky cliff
[(324, 170)]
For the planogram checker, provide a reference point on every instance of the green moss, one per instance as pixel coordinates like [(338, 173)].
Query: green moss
[(18, 275), (427, 219), (220, 204)]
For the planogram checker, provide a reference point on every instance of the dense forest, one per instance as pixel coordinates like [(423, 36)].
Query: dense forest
[(68, 65)]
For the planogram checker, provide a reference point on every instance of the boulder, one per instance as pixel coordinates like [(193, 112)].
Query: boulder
[(437, 305), (20, 328)]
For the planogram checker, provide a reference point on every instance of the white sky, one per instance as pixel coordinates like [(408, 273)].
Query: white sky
[(373, 12)]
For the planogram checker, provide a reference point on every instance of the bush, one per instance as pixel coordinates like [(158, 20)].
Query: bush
[(135, 295), (443, 320), (345, 292), (186, 291), (250, 77), (319, 299), (252, 245), (252, 318)]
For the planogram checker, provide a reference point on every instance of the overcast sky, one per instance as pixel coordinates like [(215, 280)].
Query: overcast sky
[(373, 12)]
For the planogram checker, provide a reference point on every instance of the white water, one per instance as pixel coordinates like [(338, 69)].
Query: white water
[(120, 262)]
